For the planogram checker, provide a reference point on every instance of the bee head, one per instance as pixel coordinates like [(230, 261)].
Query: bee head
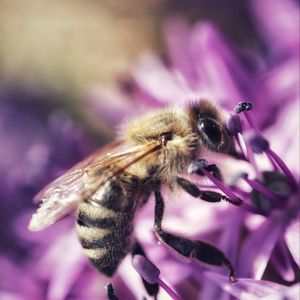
[(209, 126), (211, 132)]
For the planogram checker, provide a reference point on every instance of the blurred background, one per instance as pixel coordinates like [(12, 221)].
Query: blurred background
[(67, 48), (54, 55)]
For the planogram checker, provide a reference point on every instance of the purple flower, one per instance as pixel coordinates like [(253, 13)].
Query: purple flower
[(260, 237), (39, 141)]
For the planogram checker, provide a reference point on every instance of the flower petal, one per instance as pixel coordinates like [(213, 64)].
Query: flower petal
[(282, 262), (292, 238), (258, 247), (249, 289), (277, 19)]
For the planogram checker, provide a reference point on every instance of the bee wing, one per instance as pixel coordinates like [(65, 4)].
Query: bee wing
[(75, 170), (63, 195)]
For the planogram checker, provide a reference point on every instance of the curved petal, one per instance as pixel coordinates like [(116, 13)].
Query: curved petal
[(250, 289), (292, 238), (258, 247)]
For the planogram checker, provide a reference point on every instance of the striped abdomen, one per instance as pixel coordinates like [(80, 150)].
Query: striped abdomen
[(104, 223)]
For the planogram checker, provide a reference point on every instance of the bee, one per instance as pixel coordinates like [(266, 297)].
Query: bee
[(108, 187)]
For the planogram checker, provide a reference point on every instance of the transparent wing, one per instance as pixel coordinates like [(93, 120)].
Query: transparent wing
[(76, 171), (63, 195)]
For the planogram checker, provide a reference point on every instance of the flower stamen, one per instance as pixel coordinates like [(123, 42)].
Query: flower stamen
[(149, 272), (262, 189), (283, 167)]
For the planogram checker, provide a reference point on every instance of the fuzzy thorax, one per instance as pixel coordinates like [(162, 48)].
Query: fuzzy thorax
[(171, 159)]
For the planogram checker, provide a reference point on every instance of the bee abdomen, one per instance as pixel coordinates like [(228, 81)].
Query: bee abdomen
[(105, 232)]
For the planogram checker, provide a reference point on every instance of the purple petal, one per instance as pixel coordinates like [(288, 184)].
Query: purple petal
[(177, 35), (162, 83), (251, 289), (282, 263), (287, 146), (292, 238), (220, 68), (277, 19), (229, 245), (258, 246), (16, 282), (61, 273)]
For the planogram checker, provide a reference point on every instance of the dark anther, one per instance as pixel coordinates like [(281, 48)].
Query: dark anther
[(243, 106), (258, 144), (110, 292), (145, 268), (274, 182)]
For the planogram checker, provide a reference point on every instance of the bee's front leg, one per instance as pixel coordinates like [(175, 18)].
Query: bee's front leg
[(192, 189), (196, 165), (201, 167), (202, 251)]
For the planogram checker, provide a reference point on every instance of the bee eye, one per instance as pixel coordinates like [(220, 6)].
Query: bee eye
[(210, 131)]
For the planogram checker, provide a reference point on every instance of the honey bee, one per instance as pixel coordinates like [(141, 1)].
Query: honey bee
[(108, 187)]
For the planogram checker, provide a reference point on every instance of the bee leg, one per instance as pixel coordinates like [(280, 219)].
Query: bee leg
[(192, 189), (110, 292), (196, 165), (215, 171), (199, 250), (152, 289)]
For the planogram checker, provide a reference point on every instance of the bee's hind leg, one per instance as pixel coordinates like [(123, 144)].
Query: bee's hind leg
[(199, 250), (110, 292)]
